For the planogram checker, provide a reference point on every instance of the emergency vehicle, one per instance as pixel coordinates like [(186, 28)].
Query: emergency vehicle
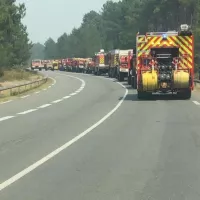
[(55, 64), (37, 64), (101, 63), (165, 63), (119, 63)]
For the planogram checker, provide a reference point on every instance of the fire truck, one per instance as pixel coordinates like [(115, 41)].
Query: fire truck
[(80, 65), (69, 64), (90, 66), (119, 63), (47, 64), (37, 64), (74, 64), (101, 63), (55, 64), (131, 66), (165, 63)]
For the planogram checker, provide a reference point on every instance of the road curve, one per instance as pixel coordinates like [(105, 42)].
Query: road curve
[(145, 150)]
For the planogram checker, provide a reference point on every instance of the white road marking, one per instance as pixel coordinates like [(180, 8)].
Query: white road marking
[(196, 102), (73, 94), (57, 101), (25, 96), (5, 118), (63, 147), (44, 89), (45, 105), (6, 102), (66, 97), (49, 86), (54, 80), (26, 112)]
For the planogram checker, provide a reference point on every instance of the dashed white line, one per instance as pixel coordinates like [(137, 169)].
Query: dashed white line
[(66, 97), (54, 80), (25, 96), (196, 102), (26, 112), (44, 89), (60, 149), (6, 102), (5, 118), (73, 94), (45, 105), (57, 101)]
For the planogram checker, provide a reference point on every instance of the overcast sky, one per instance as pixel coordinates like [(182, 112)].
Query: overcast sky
[(51, 18)]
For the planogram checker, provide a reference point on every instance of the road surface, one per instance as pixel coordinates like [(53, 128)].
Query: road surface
[(90, 138)]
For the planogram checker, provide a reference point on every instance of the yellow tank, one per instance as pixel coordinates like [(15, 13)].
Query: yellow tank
[(181, 79), (150, 81), (55, 64)]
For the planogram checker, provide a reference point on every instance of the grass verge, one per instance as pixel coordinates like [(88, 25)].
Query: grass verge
[(25, 91), (15, 77)]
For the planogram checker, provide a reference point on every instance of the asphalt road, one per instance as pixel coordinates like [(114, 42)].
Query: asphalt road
[(91, 139)]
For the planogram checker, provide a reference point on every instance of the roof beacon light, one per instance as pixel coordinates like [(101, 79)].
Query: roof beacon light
[(164, 36), (184, 27)]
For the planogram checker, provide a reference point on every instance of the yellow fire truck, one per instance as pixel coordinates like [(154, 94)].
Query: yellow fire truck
[(165, 63)]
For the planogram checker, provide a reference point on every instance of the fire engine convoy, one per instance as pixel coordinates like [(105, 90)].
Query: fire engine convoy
[(162, 62)]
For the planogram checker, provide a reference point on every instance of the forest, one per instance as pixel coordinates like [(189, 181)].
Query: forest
[(116, 25), (15, 45)]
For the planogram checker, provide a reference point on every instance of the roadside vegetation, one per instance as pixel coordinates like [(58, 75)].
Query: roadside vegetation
[(15, 48), (15, 45)]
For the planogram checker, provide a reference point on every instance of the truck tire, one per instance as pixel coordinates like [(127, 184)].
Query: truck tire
[(186, 94), (98, 73), (129, 79), (143, 95), (134, 82), (120, 77), (109, 73)]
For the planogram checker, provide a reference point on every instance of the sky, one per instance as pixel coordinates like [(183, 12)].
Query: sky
[(52, 18)]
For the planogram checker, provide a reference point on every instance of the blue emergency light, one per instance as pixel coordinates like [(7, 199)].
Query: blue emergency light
[(164, 36)]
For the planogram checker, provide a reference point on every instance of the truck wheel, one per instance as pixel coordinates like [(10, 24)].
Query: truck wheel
[(143, 95), (129, 79), (109, 75), (133, 82), (186, 94), (120, 77), (40, 69)]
